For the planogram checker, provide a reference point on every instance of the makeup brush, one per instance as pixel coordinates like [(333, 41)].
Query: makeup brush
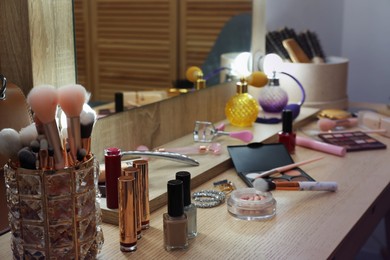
[(326, 124), (27, 159), (43, 100), (281, 169), (10, 143), (71, 99), (87, 121), (266, 185), (28, 134)]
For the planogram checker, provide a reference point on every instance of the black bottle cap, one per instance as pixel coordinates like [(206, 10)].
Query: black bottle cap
[(287, 118), (119, 107), (175, 198), (185, 177)]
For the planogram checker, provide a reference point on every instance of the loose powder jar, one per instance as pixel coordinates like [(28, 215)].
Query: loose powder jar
[(251, 204)]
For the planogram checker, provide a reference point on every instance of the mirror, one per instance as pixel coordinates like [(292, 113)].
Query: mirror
[(128, 46)]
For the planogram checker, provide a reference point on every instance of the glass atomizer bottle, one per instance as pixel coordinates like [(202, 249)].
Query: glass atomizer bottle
[(175, 221), (189, 208), (242, 109)]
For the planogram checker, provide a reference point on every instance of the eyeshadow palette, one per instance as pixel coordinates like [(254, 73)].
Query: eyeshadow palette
[(259, 157), (353, 141)]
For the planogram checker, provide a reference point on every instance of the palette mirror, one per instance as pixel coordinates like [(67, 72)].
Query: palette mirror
[(144, 47)]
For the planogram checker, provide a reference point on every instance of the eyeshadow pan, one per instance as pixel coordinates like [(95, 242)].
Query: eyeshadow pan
[(299, 178), (353, 141), (293, 173)]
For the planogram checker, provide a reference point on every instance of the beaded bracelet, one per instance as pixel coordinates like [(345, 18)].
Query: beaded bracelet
[(208, 198)]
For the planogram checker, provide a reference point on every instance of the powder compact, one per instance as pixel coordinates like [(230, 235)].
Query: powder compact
[(259, 157), (251, 204)]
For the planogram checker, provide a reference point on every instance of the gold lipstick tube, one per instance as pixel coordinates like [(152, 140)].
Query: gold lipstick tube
[(127, 214), (145, 209), (135, 173)]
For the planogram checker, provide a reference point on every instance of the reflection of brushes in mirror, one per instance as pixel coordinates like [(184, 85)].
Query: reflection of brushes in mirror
[(281, 169), (43, 101), (163, 155), (266, 185), (213, 148), (28, 134), (71, 99)]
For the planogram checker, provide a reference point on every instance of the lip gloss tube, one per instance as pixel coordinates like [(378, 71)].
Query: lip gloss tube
[(144, 174), (321, 146), (127, 214), (135, 173), (112, 161)]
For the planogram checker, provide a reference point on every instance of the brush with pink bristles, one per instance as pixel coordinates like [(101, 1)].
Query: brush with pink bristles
[(43, 100), (71, 98)]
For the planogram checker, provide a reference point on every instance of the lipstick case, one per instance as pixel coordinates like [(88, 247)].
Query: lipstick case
[(287, 136), (127, 214), (112, 161), (135, 173), (175, 221), (142, 165)]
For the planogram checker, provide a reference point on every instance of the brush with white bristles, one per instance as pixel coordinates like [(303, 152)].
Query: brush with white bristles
[(71, 99), (10, 143), (28, 134), (87, 121), (267, 185), (43, 100)]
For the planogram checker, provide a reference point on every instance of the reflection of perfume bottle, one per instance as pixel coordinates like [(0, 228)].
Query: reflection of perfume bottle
[(242, 109), (189, 208), (175, 221), (272, 97)]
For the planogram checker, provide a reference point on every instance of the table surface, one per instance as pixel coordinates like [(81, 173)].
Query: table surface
[(307, 225)]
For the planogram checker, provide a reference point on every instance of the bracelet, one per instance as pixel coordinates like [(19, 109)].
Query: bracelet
[(208, 198)]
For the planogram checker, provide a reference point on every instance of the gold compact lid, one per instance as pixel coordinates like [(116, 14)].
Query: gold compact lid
[(334, 114)]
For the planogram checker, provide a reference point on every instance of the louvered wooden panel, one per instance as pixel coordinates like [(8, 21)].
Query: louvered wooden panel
[(134, 45), (82, 43), (201, 22)]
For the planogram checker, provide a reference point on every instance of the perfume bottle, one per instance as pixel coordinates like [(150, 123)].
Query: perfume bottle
[(189, 208), (272, 97), (175, 221), (287, 136), (242, 109)]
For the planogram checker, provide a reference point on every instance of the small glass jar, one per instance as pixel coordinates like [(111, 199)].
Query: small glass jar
[(251, 204)]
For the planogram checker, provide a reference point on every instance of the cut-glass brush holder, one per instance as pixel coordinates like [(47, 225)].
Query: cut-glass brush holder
[(54, 214)]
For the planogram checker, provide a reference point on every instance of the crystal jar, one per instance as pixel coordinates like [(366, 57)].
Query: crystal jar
[(54, 214)]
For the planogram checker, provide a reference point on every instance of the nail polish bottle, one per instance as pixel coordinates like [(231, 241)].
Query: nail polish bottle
[(175, 221), (127, 214), (112, 161), (287, 136), (189, 208)]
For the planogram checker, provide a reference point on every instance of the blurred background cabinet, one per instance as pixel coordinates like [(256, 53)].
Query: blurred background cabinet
[(129, 45)]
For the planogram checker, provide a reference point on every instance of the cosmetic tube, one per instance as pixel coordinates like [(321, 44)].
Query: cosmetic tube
[(189, 208), (135, 173), (287, 136), (112, 161), (321, 146), (175, 221), (144, 174), (127, 214)]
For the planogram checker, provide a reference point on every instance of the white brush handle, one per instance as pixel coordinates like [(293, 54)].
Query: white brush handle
[(318, 186)]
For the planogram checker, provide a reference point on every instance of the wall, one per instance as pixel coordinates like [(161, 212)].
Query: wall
[(355, 29)]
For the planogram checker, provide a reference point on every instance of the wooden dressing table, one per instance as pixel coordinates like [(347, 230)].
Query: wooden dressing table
[(307, 225)]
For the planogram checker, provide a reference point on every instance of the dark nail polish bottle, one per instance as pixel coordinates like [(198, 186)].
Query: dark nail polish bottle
[(287, 135)]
